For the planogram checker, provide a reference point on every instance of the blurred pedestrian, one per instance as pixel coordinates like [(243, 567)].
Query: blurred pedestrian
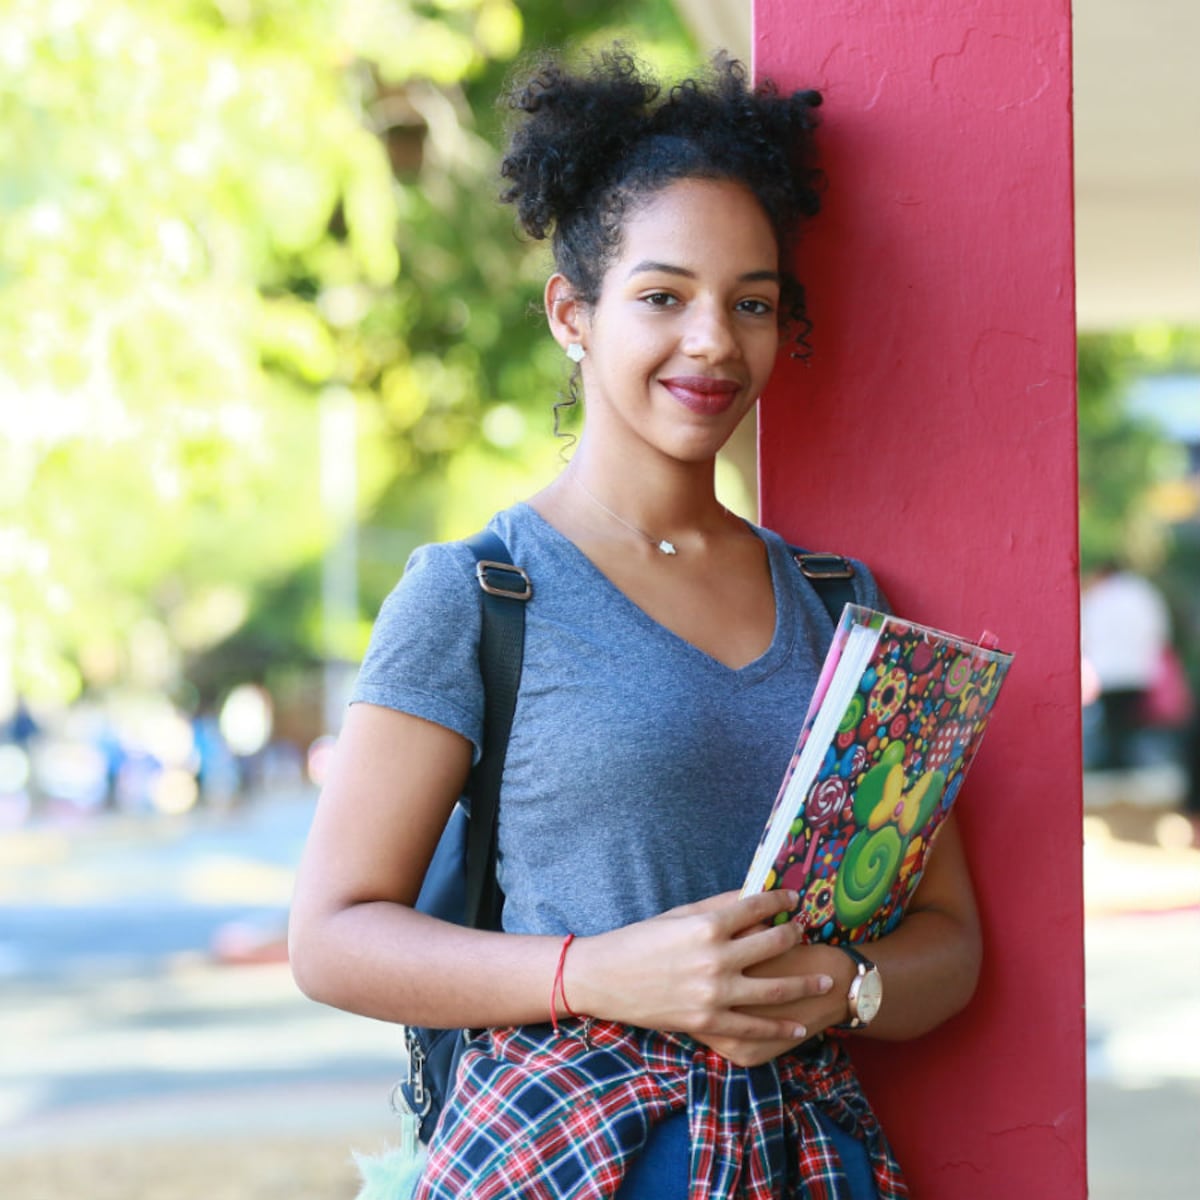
[(1191, 800), (1126, 632)]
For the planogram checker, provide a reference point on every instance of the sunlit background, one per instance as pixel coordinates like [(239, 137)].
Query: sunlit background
[(263, 330)]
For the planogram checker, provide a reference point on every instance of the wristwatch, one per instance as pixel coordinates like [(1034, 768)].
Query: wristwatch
[(866, 990)]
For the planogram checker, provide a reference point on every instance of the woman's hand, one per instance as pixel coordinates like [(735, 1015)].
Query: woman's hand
[(692, 970), (929, 964), (828, 971)]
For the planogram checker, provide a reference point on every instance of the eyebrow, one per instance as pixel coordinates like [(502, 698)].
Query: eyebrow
[(649, 264)]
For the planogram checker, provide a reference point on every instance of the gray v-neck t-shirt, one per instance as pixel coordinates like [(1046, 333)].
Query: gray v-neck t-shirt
[(640, 770)]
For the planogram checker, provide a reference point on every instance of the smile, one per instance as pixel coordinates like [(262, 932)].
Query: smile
[(702, 394)]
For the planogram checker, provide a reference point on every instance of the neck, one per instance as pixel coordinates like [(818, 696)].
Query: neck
[(624, 509), (654, 497)]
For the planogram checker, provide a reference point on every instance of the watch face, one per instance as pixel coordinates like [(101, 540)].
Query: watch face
[(870, 994)]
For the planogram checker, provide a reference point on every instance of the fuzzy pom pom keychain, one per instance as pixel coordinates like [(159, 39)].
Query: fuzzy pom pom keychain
[(393, 1173)]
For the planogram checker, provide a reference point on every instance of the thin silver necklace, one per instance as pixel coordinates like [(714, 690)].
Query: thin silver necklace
[(660, 544)]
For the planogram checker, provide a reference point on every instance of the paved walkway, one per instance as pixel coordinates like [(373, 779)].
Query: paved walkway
[(159, 1074), (1142, 902)]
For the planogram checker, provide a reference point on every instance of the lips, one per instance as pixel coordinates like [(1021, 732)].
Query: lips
[(702, 394)]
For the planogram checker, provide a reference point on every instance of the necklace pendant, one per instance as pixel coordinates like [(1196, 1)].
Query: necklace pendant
[(665, 547)]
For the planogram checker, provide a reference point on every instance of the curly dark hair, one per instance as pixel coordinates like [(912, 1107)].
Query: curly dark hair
[(587, 145)]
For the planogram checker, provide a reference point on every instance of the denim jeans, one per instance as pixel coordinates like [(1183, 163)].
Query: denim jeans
[(661, 1171)]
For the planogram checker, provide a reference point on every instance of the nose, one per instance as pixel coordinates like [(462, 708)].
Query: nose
[(710, 335)]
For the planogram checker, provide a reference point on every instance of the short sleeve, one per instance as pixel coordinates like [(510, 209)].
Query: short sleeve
[(423, 657)]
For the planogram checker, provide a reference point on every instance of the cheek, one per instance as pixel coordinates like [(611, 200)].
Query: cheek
[(764, 355), (643, 351)]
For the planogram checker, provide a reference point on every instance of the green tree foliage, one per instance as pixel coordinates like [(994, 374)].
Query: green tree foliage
[(216, 218), (1125, 459)]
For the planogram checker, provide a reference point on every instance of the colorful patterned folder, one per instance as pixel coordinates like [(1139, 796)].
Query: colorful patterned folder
[(895, 722)]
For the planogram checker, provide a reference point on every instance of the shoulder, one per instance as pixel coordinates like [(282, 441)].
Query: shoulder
[(435, 596), (865, 587), (436, 566), (423, 655), (446, 570), (439, 586)]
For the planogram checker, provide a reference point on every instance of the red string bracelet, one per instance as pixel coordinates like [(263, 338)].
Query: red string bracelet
[(557, 989)]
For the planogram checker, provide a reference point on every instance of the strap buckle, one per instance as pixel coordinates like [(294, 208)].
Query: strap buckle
[(512, 582), (825, 566), (418, 1101)]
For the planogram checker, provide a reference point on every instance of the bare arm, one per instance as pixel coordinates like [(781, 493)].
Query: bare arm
[(356, 943), (930, 964)]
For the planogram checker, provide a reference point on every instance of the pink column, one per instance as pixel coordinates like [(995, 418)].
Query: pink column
[(934, 435)]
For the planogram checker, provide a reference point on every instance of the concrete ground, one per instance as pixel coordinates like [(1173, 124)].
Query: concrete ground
[(1142, 941), (206, 1084), (1143, 980), (171, 1076), (144, 1054)]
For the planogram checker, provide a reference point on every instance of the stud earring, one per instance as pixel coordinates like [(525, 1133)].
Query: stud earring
[(575, 352)]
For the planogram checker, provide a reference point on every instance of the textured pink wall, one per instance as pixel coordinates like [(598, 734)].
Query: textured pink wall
[(934, 435)]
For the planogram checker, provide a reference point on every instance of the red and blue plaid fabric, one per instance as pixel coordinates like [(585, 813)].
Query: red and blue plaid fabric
[(545, 1116)]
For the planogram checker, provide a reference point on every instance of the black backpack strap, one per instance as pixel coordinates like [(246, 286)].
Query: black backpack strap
[(504, 590), (831, 575)]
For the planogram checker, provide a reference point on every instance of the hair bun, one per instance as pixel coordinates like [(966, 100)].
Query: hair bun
[(573, 129)]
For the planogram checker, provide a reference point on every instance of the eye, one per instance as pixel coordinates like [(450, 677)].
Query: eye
[(660, 299), (756, 308)]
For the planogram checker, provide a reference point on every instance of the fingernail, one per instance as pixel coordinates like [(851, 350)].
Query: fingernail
[(793, 898), (799, 1032), (824, 982)]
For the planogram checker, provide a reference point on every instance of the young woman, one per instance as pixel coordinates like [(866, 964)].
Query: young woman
[(670, 647)]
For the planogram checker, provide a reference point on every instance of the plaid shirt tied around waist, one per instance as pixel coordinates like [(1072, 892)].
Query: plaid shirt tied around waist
[(545, 1116)]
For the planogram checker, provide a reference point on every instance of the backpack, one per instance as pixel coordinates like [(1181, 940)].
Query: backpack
[(460, 885)]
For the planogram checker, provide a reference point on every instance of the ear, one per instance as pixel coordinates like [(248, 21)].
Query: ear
[(566, 314)]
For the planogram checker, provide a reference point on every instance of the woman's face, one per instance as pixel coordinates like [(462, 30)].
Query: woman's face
[(683, 335)]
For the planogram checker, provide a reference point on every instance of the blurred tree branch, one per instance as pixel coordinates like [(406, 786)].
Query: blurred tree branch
[(211, 211)]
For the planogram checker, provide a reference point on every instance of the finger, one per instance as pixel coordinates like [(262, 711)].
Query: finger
[(759, 909), (712, 904), (771, 993), (758, 945), (799, 922), (749, 1052), (748, 1027), (744, 911)]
